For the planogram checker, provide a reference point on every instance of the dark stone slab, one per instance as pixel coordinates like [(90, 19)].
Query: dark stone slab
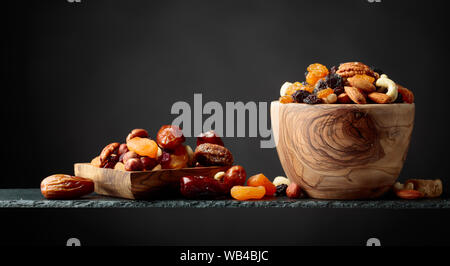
[(32, 198)]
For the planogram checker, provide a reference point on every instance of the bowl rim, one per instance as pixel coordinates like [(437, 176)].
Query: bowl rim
[(376, 105)]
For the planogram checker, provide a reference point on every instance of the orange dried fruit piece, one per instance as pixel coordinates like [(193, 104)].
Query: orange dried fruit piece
[(247, 193), (324, 93), (312, 78), (262, 180), (143, 146), (365, 77), (318, 68), (286, 99), (309, 88)]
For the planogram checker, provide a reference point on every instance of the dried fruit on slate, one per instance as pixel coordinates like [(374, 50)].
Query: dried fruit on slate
[(62, 186), (409, 194), (300, 95), (286, 99), (261, 180), (247, 193), (294, 191), (235, 176), (143, 147), (281, 190), (325, 93), (202, 187), (312, 99)]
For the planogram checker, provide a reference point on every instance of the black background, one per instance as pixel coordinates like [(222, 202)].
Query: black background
[(81, 75)]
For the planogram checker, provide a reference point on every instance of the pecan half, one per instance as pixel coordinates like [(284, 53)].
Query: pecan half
[(105, 155)]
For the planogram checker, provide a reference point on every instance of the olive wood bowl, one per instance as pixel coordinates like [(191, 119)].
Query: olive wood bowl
[(342, 151)]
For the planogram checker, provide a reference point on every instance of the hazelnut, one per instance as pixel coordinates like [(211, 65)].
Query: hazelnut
[(129, 155), (134, 164), (138, 132), (294, 191)]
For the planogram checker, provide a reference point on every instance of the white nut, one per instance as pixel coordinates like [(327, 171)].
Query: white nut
[(398, 186), (159, 153), (385, 83), (158, 167), (219, 175), (284, 88), (281, 180), (332, 98)]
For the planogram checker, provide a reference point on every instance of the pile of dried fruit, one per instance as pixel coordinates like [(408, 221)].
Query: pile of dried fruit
[(351, 82)]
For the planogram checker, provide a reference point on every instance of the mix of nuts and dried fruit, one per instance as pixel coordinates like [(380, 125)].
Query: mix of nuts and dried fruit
[(351, 82), (140, 153)]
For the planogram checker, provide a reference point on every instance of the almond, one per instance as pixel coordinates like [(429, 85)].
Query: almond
[(343, 98), (66, 187), (362, 84), (379, 97), (409, 194), (355, 95)]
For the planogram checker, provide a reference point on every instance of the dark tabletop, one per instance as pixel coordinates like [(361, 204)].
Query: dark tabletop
[(32, 198)]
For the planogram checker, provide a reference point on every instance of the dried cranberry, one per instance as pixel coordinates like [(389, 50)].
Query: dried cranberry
[(300, 95)]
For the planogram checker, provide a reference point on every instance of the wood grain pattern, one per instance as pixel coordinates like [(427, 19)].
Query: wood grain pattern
[(342, 151), (142, 184)]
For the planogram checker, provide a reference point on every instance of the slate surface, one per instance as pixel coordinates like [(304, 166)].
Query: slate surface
[(32, 198)]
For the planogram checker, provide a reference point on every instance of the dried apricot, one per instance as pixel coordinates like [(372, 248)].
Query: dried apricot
[(286, 99), (262, 180), (315, 73), (318, 68), (324, 93), (143, 146), (246, 193)]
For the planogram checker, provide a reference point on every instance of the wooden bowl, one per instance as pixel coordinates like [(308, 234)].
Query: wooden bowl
[(140, 184), (342, 151)]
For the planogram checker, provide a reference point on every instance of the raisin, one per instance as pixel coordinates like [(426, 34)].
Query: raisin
[(281, 190), (312, 99), (261, 180), (300, 95), (339, 90), (246, 193), (333, 69), (334, 80), (320, 85)]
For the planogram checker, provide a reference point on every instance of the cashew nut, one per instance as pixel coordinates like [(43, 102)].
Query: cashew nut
[(283, 89), (281, 180), (385, 83), (219, 175)]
